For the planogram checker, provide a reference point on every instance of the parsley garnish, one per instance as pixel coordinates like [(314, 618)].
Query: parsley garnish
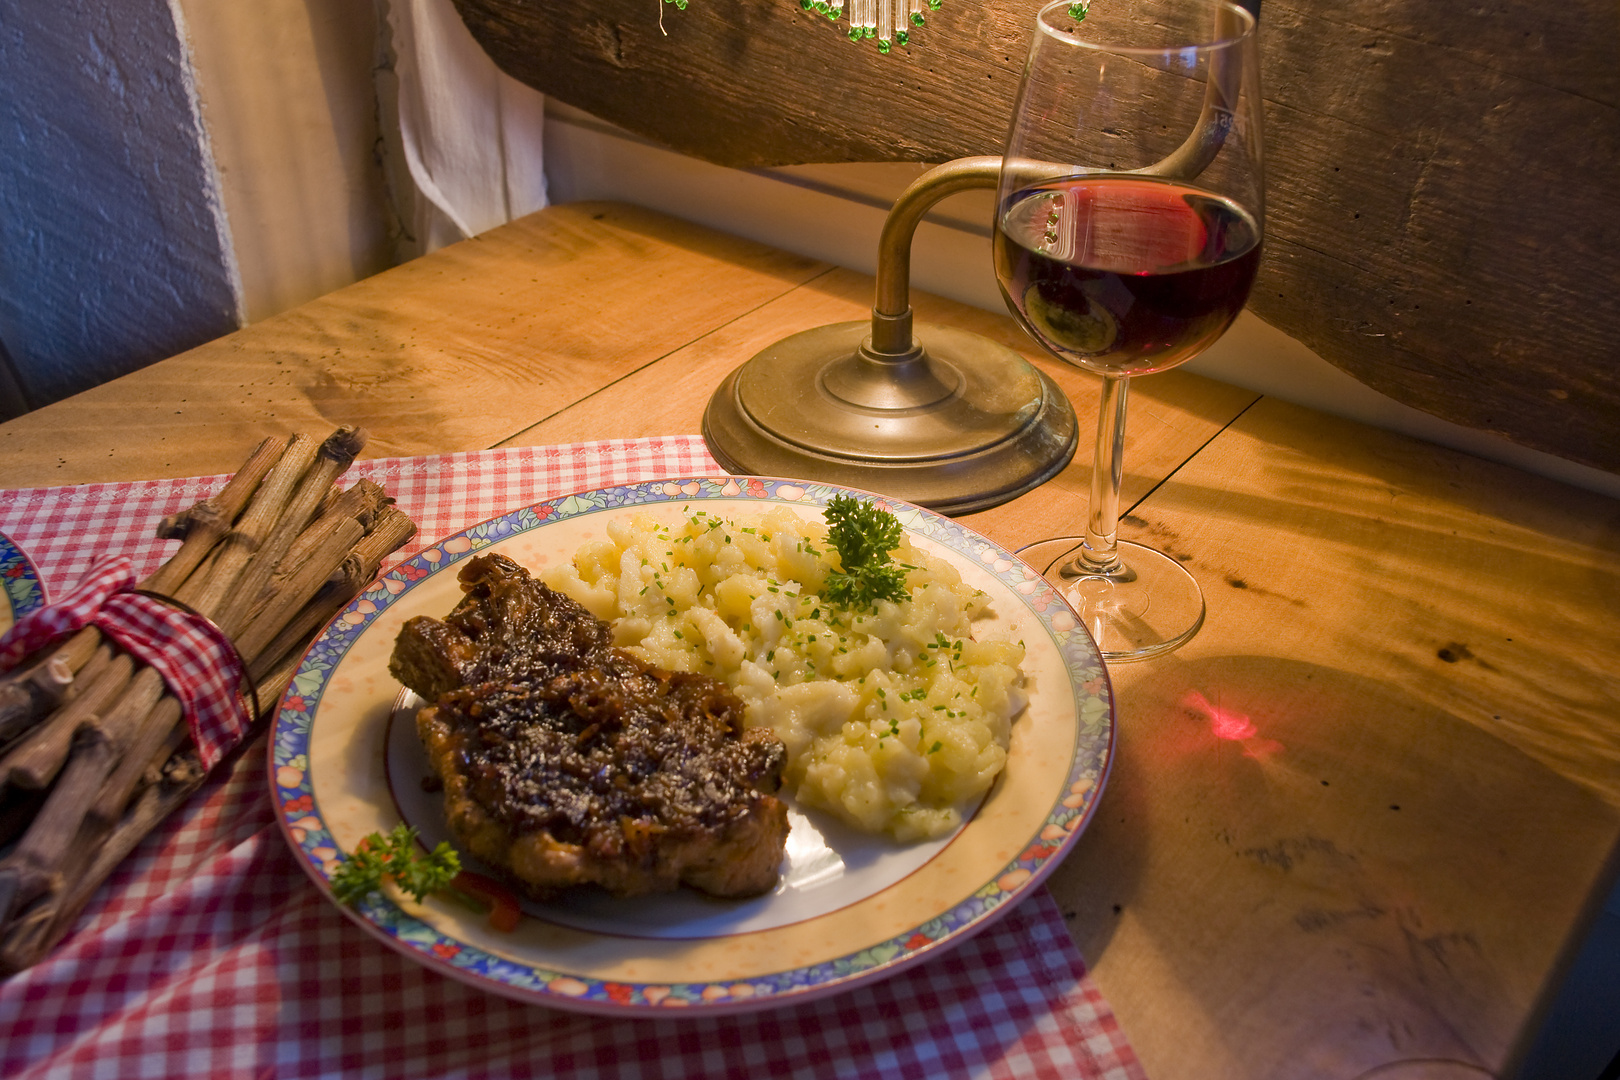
[(394, 856), (863, 535)]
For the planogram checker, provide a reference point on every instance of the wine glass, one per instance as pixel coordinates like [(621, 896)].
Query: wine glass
[(1127, 235)]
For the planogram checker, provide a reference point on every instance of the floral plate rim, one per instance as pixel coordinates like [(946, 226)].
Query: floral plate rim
[(19, 579)]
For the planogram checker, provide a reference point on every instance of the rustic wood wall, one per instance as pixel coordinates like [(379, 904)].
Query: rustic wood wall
[(1442, 211)]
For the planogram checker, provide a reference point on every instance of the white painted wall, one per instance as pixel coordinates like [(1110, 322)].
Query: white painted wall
[(170, 169), (835, 212), (290, 108), (113, 246)]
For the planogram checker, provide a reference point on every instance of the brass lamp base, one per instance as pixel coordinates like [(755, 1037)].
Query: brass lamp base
[(958, 423)]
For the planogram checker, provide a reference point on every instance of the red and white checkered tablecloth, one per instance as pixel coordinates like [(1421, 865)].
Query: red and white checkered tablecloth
[(209, 953)]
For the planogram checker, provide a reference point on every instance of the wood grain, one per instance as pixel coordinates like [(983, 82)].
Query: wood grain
[(1353, 822), (453, 352), (1441, 223), (1171, 415), (758, 82), (1441, 219)]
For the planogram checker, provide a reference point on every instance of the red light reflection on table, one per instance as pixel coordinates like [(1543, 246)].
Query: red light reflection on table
[(1232, 726)]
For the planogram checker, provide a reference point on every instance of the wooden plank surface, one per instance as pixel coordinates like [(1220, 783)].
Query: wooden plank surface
[(1356, 822), (1171, 415), (453, 352), (1440, 219)]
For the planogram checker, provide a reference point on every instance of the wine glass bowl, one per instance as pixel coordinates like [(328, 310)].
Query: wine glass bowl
[(1129, 222), (1125, 275)]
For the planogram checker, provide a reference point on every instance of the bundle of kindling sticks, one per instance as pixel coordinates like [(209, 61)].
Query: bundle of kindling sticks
[(94, 748)]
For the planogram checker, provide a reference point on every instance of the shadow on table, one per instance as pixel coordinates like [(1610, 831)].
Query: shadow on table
[(1308, 872)]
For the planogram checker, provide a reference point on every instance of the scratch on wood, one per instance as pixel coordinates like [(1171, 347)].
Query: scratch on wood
[(606, 40), (1288, 852), (1316, 920), (1441, 947)]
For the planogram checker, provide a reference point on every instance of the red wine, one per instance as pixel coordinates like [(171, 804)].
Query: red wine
[(1122, 275)]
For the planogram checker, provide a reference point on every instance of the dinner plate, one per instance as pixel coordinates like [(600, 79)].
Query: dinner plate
[(20, 588), (850, 908)]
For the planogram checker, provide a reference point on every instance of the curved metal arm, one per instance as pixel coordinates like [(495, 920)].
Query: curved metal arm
[(1214, 121), (891, 311)]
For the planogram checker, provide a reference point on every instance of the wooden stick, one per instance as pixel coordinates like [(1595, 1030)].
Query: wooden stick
[(33, 868), (335, 456), (205, 523), (99, 848), (137, 732), (392, 530), (331, 497), (36, 759), (251, 529), (276, 669), (298, 590), (24, 702), (138, 722), (98, 852), (39, 756), (115, 730), (116, 750), (230, 499), (162, 725), (31, 693), (17, 810), (362, 502), (175, 741), (28, 695)]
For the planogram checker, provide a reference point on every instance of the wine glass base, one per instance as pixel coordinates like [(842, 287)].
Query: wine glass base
[(1148, 607)]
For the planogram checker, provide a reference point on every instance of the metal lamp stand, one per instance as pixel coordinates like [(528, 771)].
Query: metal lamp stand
[(946, 419)]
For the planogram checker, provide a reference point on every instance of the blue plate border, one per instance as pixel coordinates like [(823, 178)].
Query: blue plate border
[(19, 578)]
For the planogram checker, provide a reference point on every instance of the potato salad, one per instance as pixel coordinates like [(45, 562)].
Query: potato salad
[(860, 653)]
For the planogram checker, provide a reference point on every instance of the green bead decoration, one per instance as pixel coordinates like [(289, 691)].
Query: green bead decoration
[(886, 23)]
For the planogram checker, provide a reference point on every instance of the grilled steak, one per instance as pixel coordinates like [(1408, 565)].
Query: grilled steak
[(566, 760)]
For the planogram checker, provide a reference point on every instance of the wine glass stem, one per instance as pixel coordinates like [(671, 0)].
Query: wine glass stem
[(1099, 555)]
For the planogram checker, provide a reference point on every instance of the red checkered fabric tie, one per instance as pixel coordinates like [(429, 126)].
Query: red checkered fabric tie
[(197, 662)]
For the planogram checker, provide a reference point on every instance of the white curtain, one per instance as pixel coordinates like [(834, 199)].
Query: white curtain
[(472, 134)]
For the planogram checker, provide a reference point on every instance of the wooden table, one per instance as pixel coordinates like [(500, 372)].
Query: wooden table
[(1362, 819)]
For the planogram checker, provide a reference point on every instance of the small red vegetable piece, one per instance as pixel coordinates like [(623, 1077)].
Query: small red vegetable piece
[(504, 911)]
